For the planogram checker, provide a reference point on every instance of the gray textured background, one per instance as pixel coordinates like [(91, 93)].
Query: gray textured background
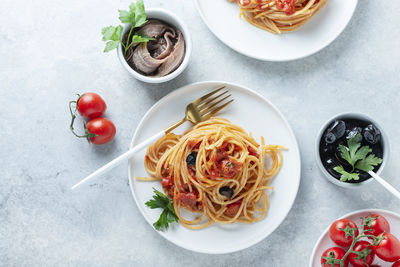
[(51, 49)]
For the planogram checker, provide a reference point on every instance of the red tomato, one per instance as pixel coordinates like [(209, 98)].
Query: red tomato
[(338, 236), (286, 5), (366, 249), (189, 199), (332, 254), (244, 2), (233, 208), (103, 129), (376, 225), (91, 105), (389, 248), (396, 264), (230, 167)]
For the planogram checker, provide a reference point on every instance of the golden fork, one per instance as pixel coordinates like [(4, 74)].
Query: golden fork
[(197, 111)]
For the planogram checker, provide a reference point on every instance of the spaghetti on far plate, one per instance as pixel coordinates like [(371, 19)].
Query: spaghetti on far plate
[(279, 16)]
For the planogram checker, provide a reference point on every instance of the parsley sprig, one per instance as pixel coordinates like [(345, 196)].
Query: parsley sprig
[(168, 215), (136, 16), (359, 157)]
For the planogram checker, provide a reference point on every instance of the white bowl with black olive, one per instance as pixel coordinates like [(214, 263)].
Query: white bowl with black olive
[(348, 146), (163, 57)]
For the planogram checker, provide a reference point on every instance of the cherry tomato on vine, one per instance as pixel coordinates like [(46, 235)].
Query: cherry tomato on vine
[(396, 264), (366, 253), (339, 236), (388, 248), (376, 225), (333, 256), (100, 131), (90, 105)]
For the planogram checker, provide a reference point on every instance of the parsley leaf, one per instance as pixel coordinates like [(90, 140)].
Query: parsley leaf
[(353, 144), (136, 16), (140, 14), (168, 215), (112, 37), (346, 176), (141, 38), (344, 153), (367, 164), (357, 157), (126, 16)]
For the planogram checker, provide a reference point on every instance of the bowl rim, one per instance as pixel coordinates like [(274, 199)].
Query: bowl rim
[(326, 230), (356, 115), (175, 21)]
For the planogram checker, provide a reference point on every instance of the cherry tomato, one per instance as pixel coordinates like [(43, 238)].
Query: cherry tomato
[(91, 105), (389, 248), (332, 254), (376, 225), (396, 264), (338, 236), (103, 128), (362, 247), (233, 208), (286, 5)]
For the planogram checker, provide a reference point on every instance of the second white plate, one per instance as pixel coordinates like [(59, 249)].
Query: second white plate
[(222, 18), (256, 115)]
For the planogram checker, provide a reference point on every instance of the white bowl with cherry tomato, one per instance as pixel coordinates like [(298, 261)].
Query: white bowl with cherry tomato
[(351, 241), (98, 130)]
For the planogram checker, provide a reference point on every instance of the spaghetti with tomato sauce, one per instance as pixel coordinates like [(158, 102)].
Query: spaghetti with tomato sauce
[(217, 170), (279, 16)]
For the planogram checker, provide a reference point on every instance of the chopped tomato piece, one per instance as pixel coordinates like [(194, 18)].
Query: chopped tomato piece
[(215, 174), (193, 144), (252, 151), (192, 172), (189, 199), (233, 208), (165, 182), (220, 155), (230, 167), (286, 5)]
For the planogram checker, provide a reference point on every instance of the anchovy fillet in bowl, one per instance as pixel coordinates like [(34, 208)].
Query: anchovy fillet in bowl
[(161, 56)]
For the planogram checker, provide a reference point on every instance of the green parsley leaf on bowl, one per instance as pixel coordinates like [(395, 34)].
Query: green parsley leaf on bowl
[(359, 157), (136, 16)]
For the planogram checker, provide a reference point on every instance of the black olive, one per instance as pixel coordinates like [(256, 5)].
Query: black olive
[(353, 132), (335, 131), (226, 191), (372, 134), (191, 158)]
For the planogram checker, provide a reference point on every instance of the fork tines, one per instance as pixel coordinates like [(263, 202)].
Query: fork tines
[(208, 106)]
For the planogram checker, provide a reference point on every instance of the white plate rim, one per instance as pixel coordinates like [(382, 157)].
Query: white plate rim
[(346, 216), (327, 43), (180, 90)]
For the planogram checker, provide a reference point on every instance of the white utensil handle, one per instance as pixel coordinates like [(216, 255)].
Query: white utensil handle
[(115, 162), (385, 184)]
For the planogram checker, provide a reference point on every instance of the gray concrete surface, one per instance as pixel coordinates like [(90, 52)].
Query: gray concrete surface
[(52, 49)]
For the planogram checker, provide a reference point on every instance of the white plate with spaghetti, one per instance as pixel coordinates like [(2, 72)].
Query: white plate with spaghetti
[(324, 242), (223, 19), (254, 114)]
